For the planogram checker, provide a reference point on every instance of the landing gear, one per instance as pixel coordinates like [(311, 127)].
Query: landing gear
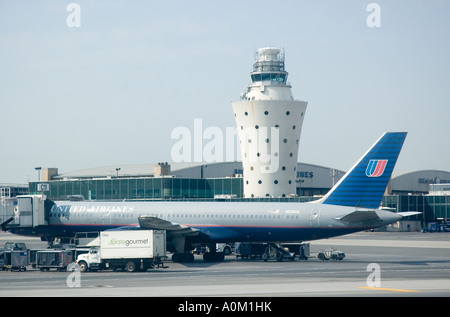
[(178, 257), (183, 254), (214, 256)]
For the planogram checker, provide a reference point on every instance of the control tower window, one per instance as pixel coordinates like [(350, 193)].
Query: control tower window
[(276, 77), (256, 77), (266, 76)]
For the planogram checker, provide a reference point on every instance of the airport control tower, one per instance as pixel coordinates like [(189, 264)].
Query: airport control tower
[(269, 122)]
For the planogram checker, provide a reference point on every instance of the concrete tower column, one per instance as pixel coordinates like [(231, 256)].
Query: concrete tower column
[(269, 123)]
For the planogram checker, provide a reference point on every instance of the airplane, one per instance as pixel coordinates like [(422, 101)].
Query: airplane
[(352, 205)]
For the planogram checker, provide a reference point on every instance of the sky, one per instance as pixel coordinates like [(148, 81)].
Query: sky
[(111, 90)]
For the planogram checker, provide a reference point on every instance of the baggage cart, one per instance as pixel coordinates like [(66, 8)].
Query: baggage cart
[(54, 259), (13, 260), (19, 260)]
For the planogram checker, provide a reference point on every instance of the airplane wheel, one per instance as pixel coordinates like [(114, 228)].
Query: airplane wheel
[(220, 256), (182, 257), (188, 257), (213, 257), (176, 257), (208, 257)]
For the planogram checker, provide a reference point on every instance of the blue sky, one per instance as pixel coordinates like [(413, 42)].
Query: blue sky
[(111, 91)]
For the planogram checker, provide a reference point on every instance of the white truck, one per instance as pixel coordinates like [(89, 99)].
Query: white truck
[(130, 250)]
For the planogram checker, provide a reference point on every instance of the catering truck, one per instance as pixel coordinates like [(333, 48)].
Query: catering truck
[(130, 250)]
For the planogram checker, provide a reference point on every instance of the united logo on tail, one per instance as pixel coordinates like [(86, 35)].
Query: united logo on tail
[(375, 168)]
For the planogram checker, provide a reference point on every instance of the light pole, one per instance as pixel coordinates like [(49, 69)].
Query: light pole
[(39, 172), (117, 171), (201, 170)]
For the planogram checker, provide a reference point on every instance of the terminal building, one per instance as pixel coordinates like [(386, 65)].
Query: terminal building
[(12, 190), (173, 181)]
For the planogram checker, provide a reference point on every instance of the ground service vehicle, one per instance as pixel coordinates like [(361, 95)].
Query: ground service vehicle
[(13, 260), (245, 250), (300, 249), (130, 250), (330, 254), (276, 252), (226, 248), (15, 246), (53, 259), (14, 256)]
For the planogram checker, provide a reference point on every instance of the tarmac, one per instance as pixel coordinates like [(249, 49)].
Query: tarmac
[(376, 264)]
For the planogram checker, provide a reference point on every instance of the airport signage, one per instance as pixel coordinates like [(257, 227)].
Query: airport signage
[(42, 187)]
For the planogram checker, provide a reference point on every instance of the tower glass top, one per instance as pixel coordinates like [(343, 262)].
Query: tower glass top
[(269, 66)]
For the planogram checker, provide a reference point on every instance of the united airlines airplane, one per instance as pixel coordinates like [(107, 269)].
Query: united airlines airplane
[(352, 205)]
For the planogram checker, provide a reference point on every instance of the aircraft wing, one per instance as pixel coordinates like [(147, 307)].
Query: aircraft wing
[(172, 228)]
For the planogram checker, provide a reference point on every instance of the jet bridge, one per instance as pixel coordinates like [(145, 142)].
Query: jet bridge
[(29, 212)]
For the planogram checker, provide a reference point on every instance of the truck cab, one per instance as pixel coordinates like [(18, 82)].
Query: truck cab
[(90, 261)]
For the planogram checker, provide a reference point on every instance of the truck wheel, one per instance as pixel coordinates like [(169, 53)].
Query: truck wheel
[(83, 266), (227, 250), (131, 267)]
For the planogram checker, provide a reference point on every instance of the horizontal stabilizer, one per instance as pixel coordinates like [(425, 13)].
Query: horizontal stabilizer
[(172, 228), (359, 216), (408, 213)]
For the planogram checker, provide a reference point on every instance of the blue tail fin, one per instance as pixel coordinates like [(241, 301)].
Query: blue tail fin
[(364, 185)]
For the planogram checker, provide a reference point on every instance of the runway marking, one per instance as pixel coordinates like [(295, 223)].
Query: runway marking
[(391, 289)]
